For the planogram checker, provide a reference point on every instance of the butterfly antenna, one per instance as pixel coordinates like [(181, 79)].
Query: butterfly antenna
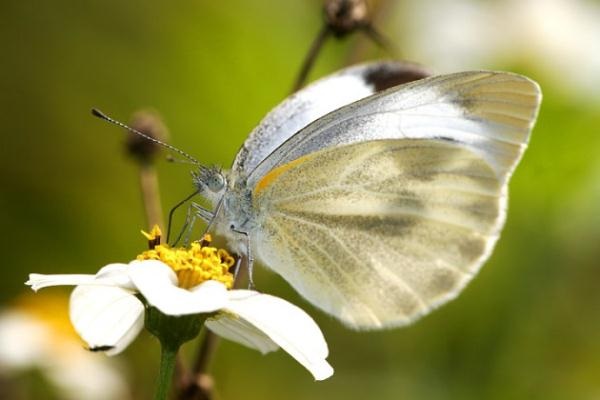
[(170, 158), (101, 115)]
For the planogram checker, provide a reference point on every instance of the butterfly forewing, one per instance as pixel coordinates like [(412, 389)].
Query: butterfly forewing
[(489, 112), (319, 98)]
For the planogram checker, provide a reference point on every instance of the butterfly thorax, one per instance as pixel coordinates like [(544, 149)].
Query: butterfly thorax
[(236, 212), (231, 200)]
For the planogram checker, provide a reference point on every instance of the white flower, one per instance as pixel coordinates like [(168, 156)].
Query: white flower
[(36, 333), (107, 314), (555, 38)]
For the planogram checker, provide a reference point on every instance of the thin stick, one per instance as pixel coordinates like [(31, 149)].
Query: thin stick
[(381, 40), (150, 195), (152, 206), (311, 56), (148, 181), (207, 349)]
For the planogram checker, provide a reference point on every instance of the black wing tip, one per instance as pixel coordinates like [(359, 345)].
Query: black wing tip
[(385, 75)]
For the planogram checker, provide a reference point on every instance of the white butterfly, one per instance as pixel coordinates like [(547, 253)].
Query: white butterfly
[(377, 206)]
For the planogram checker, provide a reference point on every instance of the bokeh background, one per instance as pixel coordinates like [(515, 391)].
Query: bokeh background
[(526, 328)]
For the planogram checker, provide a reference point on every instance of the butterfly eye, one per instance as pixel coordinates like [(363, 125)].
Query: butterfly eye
[(209, 179), (215, 181)]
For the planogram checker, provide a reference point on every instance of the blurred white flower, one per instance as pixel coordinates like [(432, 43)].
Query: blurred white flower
[(36, 334), (107, 314), (557, 38)]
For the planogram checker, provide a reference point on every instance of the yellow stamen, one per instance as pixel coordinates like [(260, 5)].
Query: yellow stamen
[(154, 233), (153, 237), (196, 264)]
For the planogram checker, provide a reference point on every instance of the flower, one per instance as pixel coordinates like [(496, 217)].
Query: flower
[(35, 333), (108, 315), (557, 39)]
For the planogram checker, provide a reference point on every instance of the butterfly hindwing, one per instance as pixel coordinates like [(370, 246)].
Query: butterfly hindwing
[(378, 233)]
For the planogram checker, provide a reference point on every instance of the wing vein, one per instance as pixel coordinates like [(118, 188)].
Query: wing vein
[(351, 281), (284, 234), (409, 288), (396, 212)]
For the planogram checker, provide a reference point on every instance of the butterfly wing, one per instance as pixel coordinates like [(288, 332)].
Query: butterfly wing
[(318, 99), (491, 113), (378, 233), (386, 208)]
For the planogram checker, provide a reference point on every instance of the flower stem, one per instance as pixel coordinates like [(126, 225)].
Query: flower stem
[(171, 331), (168, 356), (150, 195)]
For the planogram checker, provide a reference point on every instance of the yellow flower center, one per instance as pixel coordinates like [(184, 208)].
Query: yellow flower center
[(194, 265)]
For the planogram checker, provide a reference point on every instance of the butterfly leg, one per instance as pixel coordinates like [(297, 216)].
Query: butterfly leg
[(184, 228), (198, 212), (249, 257), (172, 212), (238, 264), (190, 228), (193, 213), (201, 212)]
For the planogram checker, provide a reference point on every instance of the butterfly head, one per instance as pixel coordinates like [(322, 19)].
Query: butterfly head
[(209, 180)]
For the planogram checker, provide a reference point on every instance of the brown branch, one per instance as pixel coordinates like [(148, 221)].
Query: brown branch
[(150, 195), (311, 57)]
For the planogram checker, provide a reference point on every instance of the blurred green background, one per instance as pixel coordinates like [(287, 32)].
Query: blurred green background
[(526, 328)]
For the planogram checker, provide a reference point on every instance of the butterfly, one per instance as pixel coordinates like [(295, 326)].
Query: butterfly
[(378, 191)]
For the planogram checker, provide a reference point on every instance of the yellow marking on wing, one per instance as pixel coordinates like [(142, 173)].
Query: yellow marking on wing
[(274, 173)]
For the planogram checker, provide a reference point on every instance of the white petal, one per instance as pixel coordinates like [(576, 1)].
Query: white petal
[(158, 284), (26, 342), (287, 325), (106, 316), (109, 275), (23, 340), (241, 331), (88, 376), (115, 274), (40, 281)]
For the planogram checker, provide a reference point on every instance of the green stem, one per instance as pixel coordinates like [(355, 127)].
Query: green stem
[(168, 355)]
